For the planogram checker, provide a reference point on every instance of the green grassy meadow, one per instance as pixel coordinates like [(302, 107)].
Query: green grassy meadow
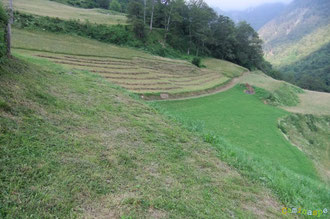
[(78, 139), (58, 10), (246, 133), (247, 123)]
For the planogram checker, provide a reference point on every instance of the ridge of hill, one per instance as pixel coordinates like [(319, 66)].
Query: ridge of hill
[(297, 35)]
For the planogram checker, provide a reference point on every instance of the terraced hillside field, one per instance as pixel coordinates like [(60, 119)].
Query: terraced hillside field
[(54, 9), (133, 70)]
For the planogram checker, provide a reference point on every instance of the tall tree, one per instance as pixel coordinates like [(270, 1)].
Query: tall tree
[(144, 11), (9, 23), (152, 13)]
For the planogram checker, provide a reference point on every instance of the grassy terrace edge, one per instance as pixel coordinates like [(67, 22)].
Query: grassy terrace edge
[(186, 94)]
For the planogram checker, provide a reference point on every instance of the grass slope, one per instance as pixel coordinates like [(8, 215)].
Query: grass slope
[(311, 134), (247, 123), (54, 9), (73, 145), (246, 133)]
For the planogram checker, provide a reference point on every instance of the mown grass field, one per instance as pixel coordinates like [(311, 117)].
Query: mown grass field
[(134, 70), (254, 143), (73, 145), (55, 9), (245, 122)]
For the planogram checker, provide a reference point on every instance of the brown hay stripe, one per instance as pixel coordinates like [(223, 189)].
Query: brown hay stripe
[(150, 88), (142, 84), (73, 57), (128, 78), (85, 65), (120, 73)]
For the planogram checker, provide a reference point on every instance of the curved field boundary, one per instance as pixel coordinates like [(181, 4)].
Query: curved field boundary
[(195, 94)]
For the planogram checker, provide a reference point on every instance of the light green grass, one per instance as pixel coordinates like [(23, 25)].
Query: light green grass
[(254, 143), (246, 122), (73, 145), (61, 43), (54, 9), (229, 69)]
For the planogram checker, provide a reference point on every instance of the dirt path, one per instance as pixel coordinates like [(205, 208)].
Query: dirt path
[(198, 94)]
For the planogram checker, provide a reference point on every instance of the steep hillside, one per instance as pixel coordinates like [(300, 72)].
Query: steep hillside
[(300, 18), (74, 145), (134, 70), (292, 39), (257, 16)]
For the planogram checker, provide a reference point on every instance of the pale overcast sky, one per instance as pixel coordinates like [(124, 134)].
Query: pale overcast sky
[(240, 4)]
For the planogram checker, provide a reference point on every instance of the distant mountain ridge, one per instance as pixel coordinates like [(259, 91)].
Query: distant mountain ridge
[(300, 35), (256, 16)]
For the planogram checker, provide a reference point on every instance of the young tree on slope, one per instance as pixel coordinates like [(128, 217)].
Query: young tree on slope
[(9, 23)]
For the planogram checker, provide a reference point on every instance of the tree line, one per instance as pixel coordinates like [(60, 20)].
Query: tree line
[(196, 29)]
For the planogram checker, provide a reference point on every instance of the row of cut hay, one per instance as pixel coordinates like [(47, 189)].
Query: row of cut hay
[(105, 73), (141, 84), (171, 69), (199, 83), (169, 74), (90, 65), (155, 85), (130, 78), (98, 59), (79, 60), (151, 88), (135, 76), (149, 61), (191, 78)]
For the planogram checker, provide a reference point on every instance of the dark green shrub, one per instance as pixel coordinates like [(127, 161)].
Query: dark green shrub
[(3, 23), (197, 61)]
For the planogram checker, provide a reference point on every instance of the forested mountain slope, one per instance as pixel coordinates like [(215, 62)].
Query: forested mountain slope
[(257, 17), (299, 33)]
